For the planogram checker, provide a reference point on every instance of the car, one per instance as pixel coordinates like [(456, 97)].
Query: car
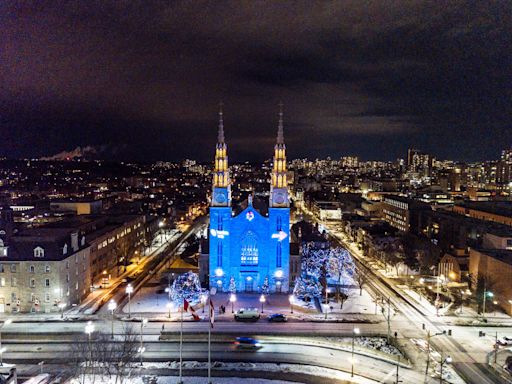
[(247, 343), (508, 365), (505, 340), (277, 318), (247, 314)]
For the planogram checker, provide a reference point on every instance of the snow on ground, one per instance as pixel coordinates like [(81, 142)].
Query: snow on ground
[(220, 366), (355, 303), (150, 379)]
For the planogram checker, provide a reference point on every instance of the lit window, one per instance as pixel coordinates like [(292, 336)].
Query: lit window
[(38, 252)]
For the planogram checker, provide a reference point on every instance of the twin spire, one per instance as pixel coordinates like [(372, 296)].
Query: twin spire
[(220, 136), (280, 129)]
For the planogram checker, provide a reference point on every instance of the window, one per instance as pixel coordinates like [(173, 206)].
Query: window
[(47, 297), (67, 264), (38, 252), (13, 268), (46, 283), (32, 283), (32, 269), (2, 268), (279, 255), (47, 268), (249, 252), (2, 281), (14, 282), (65, 249), (13, 297)]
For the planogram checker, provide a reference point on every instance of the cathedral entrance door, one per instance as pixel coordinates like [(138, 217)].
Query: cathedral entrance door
[(249, 284)]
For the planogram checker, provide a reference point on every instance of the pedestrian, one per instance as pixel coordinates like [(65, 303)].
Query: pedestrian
[(163, 327)]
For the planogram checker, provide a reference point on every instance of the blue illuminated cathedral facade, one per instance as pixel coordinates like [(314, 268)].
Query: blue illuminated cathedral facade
[(251, 248)]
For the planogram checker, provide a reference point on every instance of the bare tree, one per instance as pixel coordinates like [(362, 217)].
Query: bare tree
[(123, 353), (102, 356), (361, 278), (124, 249)]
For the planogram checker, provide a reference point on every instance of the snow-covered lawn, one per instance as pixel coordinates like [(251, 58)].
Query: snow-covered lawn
[(175, 380), (318, 372)]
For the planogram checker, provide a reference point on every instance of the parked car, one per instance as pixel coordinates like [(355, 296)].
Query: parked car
[(247, 343), (277, 318), (247, 314), (505, 340)]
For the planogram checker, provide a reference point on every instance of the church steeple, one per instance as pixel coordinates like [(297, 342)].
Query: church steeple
[(221, 190), (279, 183)]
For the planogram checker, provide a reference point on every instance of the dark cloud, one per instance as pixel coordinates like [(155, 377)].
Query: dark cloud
[(368, 79)]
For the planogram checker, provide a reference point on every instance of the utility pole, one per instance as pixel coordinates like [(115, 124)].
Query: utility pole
[(496, 348), (389, 319), (397, 367)]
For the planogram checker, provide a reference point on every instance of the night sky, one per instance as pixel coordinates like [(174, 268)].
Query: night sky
[(143, 80)]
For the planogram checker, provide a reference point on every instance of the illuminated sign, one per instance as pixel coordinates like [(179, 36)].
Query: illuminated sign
[(280, 236)]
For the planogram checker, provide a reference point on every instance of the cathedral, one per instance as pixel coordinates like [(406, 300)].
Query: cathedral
[(250, 249)]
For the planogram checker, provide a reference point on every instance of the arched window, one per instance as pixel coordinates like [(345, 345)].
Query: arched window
[(249, 254), (219, 254), (279, 255), (38, 252)]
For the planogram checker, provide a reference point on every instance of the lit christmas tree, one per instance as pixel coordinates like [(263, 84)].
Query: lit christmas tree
[(265, 288), (186, 286), (232, 285)]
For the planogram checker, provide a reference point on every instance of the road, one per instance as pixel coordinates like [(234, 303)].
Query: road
[(467, 363), (271, 352)]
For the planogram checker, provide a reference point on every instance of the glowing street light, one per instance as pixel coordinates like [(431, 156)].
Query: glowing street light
[(292, 300), (6, 322), (262, 301), (486, 295), (203, 300), (141, 350), (143, 322), (2, 350), (89, 329), (112, 307), (129, 291), (326, 301), (232, 299), (354, 333), (169, 307)]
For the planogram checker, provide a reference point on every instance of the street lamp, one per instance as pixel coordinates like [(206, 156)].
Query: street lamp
[(143, 322), (262, 301), (141, 350), (326, 301), (6, 322), (169, 306), (129, 291), (292, 300), (486, 294), (203, 300), (232, 299), (61, 307), (2, 350), (447, 360), (437, 293), (429, 336), (354, 333), (112, 307), (89, 329)]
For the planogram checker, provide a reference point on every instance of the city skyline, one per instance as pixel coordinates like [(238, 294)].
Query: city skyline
[(370, 82)]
